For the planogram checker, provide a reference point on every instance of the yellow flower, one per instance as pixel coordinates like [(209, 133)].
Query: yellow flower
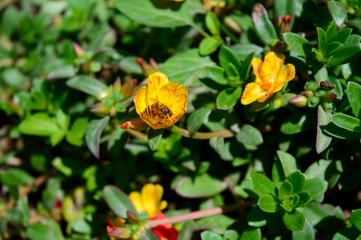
[(270, 78), (162, 103), (149, 199)]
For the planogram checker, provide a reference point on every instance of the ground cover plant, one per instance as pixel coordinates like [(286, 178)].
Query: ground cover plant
[(180, 119)]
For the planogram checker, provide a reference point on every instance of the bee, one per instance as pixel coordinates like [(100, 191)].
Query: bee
[(158, 110)]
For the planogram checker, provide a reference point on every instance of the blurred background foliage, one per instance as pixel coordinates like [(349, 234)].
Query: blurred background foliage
[(61, 108)]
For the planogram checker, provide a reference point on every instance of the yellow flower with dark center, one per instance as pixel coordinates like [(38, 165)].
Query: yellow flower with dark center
[(149, 199), (162, 103), (271, 76)]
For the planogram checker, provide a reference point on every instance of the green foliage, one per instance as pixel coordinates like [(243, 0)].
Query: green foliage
[(71, 138)]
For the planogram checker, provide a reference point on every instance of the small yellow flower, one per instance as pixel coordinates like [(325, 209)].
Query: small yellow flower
[(270, 78), (149, 199), (162, 103)]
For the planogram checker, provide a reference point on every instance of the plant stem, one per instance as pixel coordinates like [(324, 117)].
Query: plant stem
[(200, 30), (241, 206), (201, 135)]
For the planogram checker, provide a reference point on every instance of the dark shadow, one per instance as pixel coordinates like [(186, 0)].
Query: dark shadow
[(166, 4)]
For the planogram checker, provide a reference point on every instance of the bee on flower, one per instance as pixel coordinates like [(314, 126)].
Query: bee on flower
[(162, 103), (271, 76)]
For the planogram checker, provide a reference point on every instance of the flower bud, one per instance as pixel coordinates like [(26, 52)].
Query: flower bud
[(135, 124), (122, 233), (320, 93), (311, 85), (308, 94), (100, 109), (330, 96), (299, 101), (147, 69), (79, 51), (313, 102), (129, 87), (104, 94), (117, 85), (154, 64), (113, 111), (229, 23)]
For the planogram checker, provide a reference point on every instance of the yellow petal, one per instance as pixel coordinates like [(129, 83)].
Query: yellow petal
[(151, 199), (256, 65), (270, 69), (251, 93), (163, 205), (175, 97), (140, 100), (155, 82), (287, 74), (137, 201)]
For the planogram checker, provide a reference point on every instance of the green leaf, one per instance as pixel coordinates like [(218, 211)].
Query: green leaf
[(286, 189), (118, 201), (341, 36), (348, 233), (196, 119), (93, 133), (286, 7), (344, 55), (297, 180), (186, 232), (246, 66), (13, 77), (77, 131), (316, 187), (154, 137), (294, 221), (299, 44), (245, 49), (323, 119), (268, 203), (62, 71), (218, 223), (227, 56), (263, 26), (354, 96), (149, 235), (296, 124), (251, 233), (209, 44), (306, 234), (213, 23), (216, 74), (81, 226), (337, 11), (231, 235), (39, 231), (249, 135), (86, 84), (289, 163), (193, 67), (331, 30), (55, 227), (258, 218), (228, 98), (263, 185), (322, 39), (39, 124), (199, 186), (356, 218), (331, 48), (159, 14), (346, 122), (209, 235), (304, 198)]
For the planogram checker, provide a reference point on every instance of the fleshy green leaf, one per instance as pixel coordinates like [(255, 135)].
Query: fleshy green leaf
[(212, 23), (77, 130), (264, 27), (346, 122), (263, 185), (209, 235), (39, 124), (294, 221), (93, 133), (268, 203), (209, 44), (154, 136), (322, 38), (86, 84), (196, 119), (246, 66), (289, 163), (227, 56), (338, 12), (251, 233), (356, 218), (316, 187), (39, 231), (118, 201), (354, 96), (286, 189), (323, 119), (258, 218), (307, 233), (228, 98), (297, 180), (299, 44), (249, 135)]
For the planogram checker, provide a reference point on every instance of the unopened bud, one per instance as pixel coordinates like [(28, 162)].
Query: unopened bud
[(299, 101), (287, 18), (129, 87), (279, 21), (331, 96), (311, 85), (132, 217), (308, 94), (147, 69), (320, 93), (135, 124), (113, 111), (79, 51), (117, 85), (286, 28), (100, 109), (154, 64), (229, 23), (122, 233), (104, 94)]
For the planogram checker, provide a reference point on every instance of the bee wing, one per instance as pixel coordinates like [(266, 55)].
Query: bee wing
[(152, 101)]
